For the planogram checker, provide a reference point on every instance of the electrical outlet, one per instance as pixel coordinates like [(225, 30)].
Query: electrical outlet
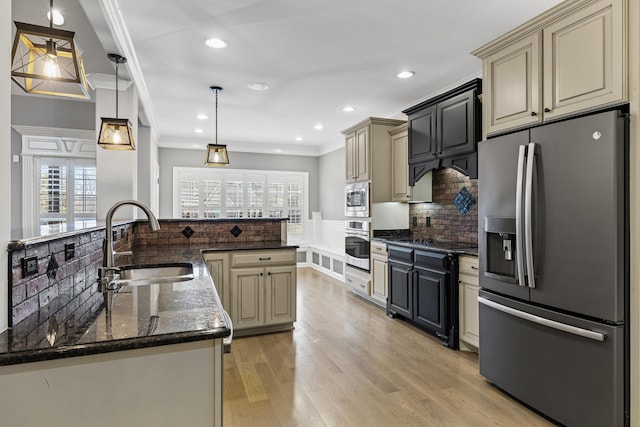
[(29, 266), (69, 251), (414, 221), (428, 221)]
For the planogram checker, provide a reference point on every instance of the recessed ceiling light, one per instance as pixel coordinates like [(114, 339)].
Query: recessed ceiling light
[(348, 109), (199, 131), (278, 150), (405, 74), (298, 138), (202, 116), (215, 43), (258, 86), (318, 127), (58, 19)]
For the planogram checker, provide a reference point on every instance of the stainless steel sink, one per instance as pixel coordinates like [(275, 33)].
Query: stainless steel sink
[(136, 275)]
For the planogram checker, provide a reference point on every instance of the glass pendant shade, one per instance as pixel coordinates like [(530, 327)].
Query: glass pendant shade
[(216, 155), (116, 134), (47, 61)]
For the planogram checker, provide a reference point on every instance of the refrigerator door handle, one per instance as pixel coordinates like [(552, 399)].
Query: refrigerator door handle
[(528, 207), (586, 333), (519, 231)]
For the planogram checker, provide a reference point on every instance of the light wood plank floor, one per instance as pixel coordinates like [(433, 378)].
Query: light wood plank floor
[(348, 364)]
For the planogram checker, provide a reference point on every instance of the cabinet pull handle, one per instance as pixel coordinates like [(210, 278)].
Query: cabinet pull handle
[(547, 110), (473, 267), (268, 258), (533, 114)]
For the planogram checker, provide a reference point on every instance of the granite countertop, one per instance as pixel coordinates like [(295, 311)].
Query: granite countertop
[(447, 246), (140, 316)]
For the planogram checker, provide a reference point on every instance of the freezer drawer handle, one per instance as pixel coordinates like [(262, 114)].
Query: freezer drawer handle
[(597, 336)]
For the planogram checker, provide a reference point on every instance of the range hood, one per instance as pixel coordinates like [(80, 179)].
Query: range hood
[(422, 189)]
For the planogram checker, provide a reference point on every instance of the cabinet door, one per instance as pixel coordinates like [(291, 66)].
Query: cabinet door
[(457, 125), (400, 190), (469, 324), (350, 154), (422, 135), (400, 285), (218, 270), (280, 295), (379, 278), (363, 154), (247, 297), (512, 89), (584, 59), (429, 299)]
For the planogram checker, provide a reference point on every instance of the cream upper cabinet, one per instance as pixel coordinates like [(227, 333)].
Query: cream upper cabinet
[(400, 190), (468, 303), (357, 155), (512, 91), (569, 59), (368, 155)]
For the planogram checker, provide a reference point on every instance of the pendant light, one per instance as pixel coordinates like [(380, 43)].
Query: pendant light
[(116, 133), (216, 153), (47, 61)]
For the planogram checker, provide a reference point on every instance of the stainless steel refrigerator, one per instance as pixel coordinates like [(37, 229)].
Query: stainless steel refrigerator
[(554, 268)]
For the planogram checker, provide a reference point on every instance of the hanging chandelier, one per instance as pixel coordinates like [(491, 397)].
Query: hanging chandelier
[(47, 61), (216, 153), (116, 133)]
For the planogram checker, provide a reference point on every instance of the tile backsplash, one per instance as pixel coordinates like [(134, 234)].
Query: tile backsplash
[(446, 222), (64, 281)]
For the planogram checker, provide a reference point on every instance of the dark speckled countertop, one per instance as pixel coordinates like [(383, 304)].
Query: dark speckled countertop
[(432, 245), (141, 316)]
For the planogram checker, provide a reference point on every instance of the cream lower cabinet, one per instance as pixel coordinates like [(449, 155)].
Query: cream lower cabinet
[(379, 278), (569, 59), (262, 290), (468, 303), (218, 266)]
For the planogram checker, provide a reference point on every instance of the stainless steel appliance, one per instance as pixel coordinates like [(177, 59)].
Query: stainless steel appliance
[(554, 268), (357, 249), (357, 200)]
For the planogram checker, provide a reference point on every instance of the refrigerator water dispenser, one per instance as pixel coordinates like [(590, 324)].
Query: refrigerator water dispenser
[(500, 240)]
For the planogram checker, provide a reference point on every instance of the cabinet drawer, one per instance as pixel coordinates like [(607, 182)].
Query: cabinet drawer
[(401, 254), (435, 260), (247, 258), (378, 248), (468, 265)]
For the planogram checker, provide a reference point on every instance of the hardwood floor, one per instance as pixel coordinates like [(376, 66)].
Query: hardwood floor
[(348, 364)]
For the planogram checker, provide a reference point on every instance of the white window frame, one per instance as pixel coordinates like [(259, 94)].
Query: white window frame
[(200, 174), (36, 147)]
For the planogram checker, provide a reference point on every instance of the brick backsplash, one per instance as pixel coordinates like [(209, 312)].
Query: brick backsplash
[(72, 293), (446, 222)]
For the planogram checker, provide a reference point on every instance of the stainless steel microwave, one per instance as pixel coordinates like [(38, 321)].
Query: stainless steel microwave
[(357, 200)]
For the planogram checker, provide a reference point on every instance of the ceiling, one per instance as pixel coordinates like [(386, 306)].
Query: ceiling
[(317, 56)]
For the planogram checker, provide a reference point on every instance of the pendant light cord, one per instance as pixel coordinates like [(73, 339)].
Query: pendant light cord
[(217, 117), (117, 89), (51, 14)]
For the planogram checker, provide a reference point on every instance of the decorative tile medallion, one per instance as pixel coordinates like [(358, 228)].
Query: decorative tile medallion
[(464, 201), (52, 267), (188, 232), (236, 231)]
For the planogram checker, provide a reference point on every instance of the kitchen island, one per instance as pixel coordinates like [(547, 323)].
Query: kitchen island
[(153, 357)]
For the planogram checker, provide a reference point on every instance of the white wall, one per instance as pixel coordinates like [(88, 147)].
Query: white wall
[(5, 157), (331, 169), (172, 157)]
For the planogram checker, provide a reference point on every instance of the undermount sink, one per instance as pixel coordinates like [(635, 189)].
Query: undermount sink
[(136, 275)]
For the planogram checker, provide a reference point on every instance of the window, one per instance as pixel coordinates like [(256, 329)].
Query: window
[(206, 193), (66, 195)]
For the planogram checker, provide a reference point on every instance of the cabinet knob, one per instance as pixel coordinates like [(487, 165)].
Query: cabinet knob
[(262, 274), (269, 274), (547, 110), (533, 114)]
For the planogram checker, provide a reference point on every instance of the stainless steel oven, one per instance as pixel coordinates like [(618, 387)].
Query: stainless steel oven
[(357, 234), (357, 200)]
